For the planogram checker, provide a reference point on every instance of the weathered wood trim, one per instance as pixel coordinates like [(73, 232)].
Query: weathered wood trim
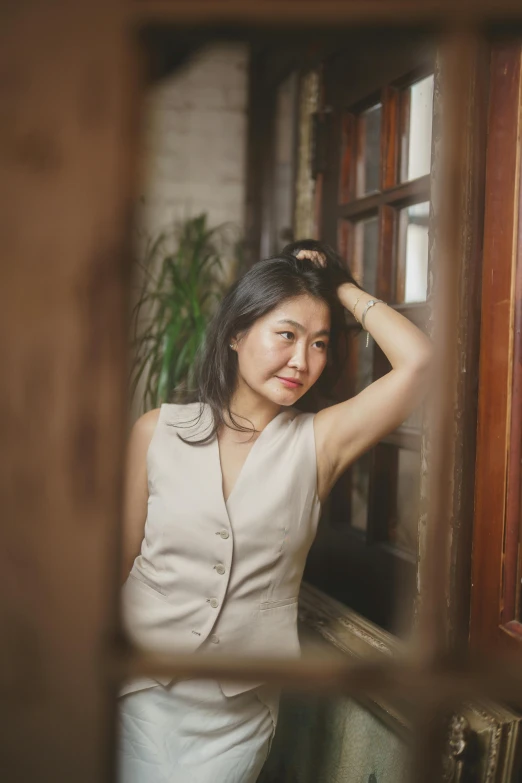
[(496, 357), (462, 455)]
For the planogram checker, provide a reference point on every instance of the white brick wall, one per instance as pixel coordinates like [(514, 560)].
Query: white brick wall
[(194, 141), (194, 150)]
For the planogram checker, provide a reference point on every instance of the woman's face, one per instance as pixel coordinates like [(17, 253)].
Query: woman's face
[(285, 352)]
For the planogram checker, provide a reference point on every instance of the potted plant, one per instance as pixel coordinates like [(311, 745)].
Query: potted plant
[(183, 279)]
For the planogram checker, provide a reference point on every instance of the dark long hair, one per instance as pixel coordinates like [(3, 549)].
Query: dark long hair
[(336, 269), (263, 288)]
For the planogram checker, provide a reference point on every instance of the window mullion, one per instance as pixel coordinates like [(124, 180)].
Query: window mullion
[(390, 138)]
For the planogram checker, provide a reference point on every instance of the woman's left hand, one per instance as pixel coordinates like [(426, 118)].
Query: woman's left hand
[(317, 258)]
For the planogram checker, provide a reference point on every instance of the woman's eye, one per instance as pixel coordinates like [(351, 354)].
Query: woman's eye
[(321, 345), (287, 335)]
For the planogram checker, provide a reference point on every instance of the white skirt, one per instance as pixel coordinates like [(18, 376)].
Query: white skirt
[(190, 732)]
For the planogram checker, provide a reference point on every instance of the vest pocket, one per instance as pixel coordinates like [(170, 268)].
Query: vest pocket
[(275, 604), (148, 588)]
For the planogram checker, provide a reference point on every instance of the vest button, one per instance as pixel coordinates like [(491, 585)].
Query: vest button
[(214, 639), (220, 569), (224, 534), (213, 603)]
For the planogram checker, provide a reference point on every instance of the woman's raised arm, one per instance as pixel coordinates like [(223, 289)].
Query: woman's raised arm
[(344, 431)]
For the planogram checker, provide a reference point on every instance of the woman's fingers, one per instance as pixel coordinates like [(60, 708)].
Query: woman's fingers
[(317, 258)]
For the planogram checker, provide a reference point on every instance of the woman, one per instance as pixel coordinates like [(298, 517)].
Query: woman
[(222, 501)]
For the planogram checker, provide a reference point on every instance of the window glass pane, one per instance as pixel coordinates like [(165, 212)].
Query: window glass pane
[(284, 162), (412, 277), (369, 151), (417, 121), (366, 250), (403, 532)]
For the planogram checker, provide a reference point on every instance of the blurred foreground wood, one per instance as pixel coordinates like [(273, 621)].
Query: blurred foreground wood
[(64, 141)]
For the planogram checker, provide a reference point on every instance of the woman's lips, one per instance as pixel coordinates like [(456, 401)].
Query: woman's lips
[(289, 382)]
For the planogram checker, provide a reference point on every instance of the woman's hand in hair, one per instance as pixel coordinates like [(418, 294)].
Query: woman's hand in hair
[(325, 257), (315, 256)]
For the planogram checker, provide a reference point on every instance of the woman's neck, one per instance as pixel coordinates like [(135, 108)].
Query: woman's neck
[(250, 408)]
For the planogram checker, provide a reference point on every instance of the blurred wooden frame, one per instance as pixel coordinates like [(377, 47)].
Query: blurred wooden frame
[(70, 96), (304, 12)]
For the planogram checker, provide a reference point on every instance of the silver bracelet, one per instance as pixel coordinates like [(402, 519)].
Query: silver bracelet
[(369, 303)]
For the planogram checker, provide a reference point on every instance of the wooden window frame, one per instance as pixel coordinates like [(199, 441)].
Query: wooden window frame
[(495, 591), (376, 570)]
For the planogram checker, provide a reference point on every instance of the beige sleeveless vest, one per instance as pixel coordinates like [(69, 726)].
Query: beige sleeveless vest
[(215, 576)]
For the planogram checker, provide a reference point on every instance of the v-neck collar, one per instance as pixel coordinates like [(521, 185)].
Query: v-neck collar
[(263, 435)]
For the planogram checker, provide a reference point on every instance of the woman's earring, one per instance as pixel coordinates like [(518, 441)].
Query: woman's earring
[(232, 346)]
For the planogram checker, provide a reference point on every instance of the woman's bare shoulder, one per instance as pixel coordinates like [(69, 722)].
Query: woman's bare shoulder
[(143, 428)]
